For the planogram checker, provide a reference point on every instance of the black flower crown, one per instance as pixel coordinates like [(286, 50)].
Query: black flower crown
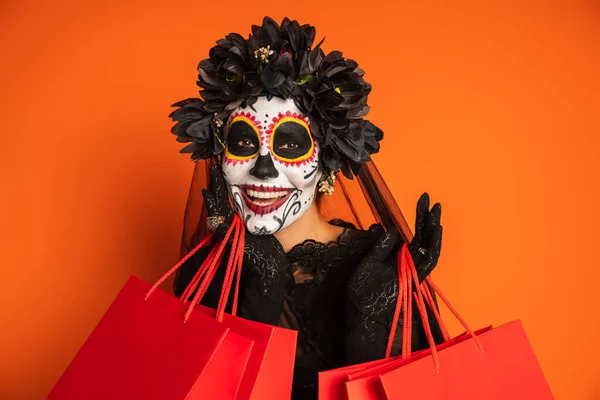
[(279, 60)]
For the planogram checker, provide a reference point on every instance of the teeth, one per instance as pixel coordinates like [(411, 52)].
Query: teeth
[(266, 195), (264, 202)]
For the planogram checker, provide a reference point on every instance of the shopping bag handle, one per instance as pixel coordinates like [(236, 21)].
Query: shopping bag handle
[(234, 268), (404, 288), (211, 270), (209, 267), (179, 264), (407, 274)]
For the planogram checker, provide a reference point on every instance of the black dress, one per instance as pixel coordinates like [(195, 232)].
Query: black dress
[(340, 297)]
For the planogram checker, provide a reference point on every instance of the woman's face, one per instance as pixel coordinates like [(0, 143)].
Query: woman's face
[(271, 164)]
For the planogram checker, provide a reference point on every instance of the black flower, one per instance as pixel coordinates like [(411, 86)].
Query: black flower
[(354, 144), (194, 124)]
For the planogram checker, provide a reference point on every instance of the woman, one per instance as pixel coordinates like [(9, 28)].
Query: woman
[(279, 118)]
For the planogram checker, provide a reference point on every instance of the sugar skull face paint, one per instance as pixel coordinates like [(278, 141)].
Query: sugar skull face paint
[(271, 164)]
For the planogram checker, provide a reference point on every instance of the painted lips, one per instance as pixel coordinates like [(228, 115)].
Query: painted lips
[(263, 199)]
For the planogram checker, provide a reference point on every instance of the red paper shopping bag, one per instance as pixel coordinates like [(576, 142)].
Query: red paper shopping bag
[(506, 369), (462, 367), (332, 382), (496, 364), (141, 349), (270, 369), (150, 345), (366, 384)]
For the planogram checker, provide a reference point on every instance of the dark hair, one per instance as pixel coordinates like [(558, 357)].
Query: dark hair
[(280, 60)]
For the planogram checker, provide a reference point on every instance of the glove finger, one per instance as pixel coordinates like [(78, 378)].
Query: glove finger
[(430, 261), (210, 202), (219, 189), (216, 176), (433, 221), (435, 243), (421, 219)]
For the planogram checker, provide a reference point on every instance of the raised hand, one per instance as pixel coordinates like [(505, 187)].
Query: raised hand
[(426, 245)]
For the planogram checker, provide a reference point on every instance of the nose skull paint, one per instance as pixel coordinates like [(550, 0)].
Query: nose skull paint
[(271, 164)]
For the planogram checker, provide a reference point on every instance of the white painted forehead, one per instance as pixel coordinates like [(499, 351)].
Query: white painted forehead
[(267, 109)]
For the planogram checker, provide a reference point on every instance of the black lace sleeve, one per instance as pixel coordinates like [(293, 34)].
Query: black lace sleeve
[(372, 292)]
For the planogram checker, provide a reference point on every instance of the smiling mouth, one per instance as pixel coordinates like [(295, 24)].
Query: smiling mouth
[(264, 199)]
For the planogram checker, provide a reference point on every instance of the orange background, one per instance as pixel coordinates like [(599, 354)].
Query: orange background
[(494, 110)]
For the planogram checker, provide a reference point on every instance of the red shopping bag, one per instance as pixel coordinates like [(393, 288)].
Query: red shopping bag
[(158, 356), (363, 379), (506, 369), (270, 369), (366, 384), (332, 382), (452, 374), (496, 364), (141, 349)]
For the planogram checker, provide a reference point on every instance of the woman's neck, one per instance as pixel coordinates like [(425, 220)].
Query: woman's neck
[(310, 226)]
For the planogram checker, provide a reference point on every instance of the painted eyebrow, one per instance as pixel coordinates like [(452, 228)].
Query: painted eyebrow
[(292, 128), (294, 124), (246, 119)]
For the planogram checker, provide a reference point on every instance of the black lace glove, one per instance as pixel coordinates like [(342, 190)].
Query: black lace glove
[(372, 294), (263, 268), (216, 201), (426, 245)]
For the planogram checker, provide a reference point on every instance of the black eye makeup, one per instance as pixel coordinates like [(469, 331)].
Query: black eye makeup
[(291, 141), (242, 140)]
